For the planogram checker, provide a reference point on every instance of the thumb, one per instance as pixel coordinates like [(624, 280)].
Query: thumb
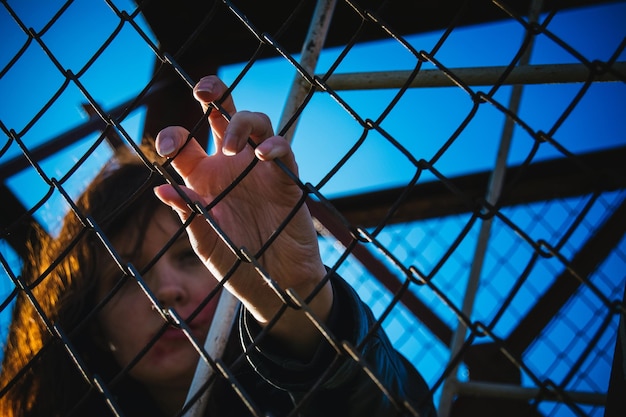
[(201, 236), (181, 204)]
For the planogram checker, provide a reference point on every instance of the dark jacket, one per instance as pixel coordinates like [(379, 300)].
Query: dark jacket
[(331, 384)]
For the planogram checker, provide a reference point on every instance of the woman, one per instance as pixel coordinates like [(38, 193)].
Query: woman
[(119, 311)]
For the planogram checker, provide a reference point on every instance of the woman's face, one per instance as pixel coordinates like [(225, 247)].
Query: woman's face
[(179, 281)]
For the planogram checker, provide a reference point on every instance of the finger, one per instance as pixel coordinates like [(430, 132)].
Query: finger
[(277, 147), (244, 125), (170, 196), (175, 141), (207, 90), (273, 148)]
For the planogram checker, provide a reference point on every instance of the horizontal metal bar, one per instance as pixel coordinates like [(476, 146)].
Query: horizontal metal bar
[(475, 76), (509, 391)]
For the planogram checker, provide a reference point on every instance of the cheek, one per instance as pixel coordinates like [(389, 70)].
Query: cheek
[(123, 322), (204, 317), (199, 296)]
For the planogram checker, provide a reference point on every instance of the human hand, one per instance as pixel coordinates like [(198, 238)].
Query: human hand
[(250, 212)]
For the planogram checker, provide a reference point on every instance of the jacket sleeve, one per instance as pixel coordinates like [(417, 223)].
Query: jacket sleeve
[(346, 388)]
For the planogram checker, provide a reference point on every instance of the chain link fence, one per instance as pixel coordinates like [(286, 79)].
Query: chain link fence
[(466, 179)]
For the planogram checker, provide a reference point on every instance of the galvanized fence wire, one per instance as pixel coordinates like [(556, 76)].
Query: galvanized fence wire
[(536, 329)]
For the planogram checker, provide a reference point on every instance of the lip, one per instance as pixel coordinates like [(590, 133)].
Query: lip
[(173, 334), (198, 327)]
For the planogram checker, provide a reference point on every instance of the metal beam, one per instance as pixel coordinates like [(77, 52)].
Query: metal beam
[(480, 76), (541, 181)]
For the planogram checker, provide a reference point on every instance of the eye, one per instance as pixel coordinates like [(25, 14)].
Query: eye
[(188, 257), (114, 280)]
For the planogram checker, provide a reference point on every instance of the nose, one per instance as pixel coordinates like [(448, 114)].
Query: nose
[(168, 286)]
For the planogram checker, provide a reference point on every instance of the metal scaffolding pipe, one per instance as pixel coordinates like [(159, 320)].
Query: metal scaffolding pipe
[(476, 76), (509, 391), (493, 193), (311, 50), (228, 305)]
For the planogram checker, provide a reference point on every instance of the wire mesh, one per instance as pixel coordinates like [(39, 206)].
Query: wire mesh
[(397, 140)]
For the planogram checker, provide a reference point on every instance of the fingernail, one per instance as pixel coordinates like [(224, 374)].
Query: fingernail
[(204, 86), (226, 145), (165, 146), (204, 89)]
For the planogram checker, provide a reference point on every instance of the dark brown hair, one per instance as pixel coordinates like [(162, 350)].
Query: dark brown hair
[(39, 376)]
